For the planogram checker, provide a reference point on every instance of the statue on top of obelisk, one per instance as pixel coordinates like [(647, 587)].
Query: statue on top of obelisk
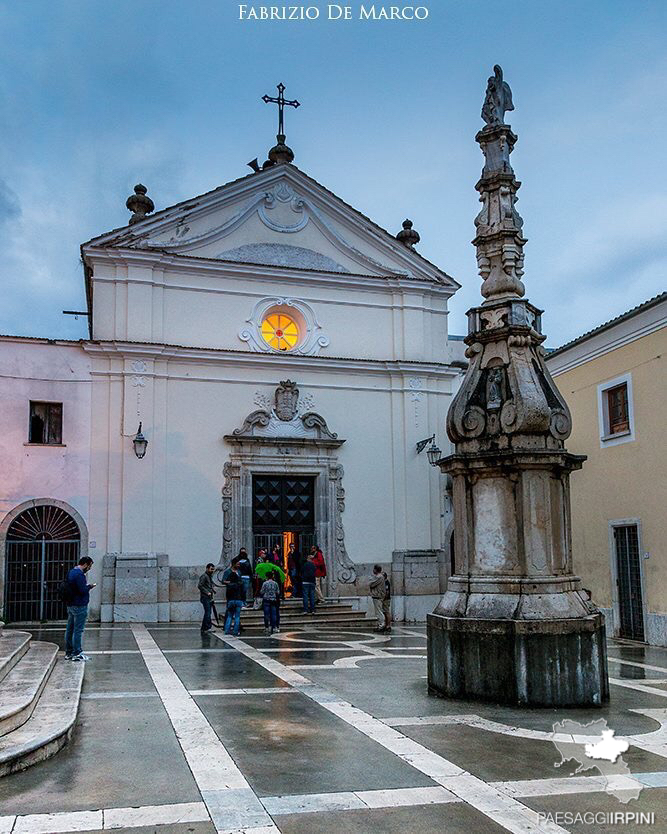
[(498, 99)]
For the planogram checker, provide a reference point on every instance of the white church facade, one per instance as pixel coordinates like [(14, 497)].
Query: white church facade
[(282, 355)]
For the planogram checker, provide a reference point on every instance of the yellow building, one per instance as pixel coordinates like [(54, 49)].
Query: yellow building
[(614, 379)]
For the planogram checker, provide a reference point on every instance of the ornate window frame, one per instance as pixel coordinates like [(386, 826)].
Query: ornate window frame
[(312, 337)]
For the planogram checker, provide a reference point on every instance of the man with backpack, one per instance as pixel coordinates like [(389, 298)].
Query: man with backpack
[(75, 591)]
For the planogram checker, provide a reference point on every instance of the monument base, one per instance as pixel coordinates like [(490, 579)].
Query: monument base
[(540, 663)]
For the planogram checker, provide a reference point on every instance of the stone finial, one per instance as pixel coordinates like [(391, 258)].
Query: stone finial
[(280, 153), (408, 236), (139, 204)]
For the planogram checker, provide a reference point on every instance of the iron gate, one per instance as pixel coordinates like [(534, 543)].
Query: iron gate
[(628, 571), (34, 571), (267, 541), (43, 543)]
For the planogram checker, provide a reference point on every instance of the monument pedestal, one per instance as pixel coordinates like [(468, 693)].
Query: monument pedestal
[(545, 663)]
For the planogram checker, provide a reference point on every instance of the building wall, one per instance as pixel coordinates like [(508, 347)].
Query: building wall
[(624, 481), (53, 372), (361, 316), (39, 370), (170, 502)]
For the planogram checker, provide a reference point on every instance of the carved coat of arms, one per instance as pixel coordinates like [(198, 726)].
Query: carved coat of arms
[(287, 400)]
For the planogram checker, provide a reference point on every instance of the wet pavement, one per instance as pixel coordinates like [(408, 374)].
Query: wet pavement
[(322, 731)]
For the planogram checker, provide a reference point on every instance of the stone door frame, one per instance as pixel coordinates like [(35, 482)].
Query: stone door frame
[(287, 456)]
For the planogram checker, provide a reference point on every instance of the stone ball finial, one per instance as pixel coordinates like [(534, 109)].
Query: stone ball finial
[(139, 203), (408, 236), (281, 153)]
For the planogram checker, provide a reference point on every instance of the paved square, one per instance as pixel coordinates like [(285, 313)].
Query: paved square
[(319, 731)]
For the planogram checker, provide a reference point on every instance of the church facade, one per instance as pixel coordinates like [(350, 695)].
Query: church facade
[(282, 356)]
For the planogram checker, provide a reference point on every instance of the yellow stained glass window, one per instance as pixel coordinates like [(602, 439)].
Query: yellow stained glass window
[(280, 331)]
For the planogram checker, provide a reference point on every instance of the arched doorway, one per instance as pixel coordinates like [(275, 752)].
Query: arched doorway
[(41, 543)]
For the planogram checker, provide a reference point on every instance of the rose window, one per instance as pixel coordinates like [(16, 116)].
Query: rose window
[(280, 331)]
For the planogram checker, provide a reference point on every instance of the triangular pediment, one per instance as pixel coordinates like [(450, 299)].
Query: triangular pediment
[(277, 217)]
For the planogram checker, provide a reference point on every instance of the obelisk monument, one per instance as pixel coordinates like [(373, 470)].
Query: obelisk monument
[(514, 625)]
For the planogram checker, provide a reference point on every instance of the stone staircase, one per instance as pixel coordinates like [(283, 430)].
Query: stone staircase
[(332, 614), (39, 700)]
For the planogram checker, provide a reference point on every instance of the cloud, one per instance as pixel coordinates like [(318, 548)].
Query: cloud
[(10, 207)]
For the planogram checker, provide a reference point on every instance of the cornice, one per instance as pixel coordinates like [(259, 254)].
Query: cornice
[(262, 361), (262, 440), (158, 261), (626, 329)]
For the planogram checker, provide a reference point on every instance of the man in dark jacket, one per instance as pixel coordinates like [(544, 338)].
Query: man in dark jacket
[(77, 609), (308, 585), (206, 594), (235, 596), (245, 571)]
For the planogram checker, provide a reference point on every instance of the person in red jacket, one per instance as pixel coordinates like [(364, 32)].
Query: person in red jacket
[(320, 571)]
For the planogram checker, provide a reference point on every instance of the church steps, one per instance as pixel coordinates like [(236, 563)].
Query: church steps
[(295, 611), (51, 724), (309, 620), (21, 688), (13, 645)]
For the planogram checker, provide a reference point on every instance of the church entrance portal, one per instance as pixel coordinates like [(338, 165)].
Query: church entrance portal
[(283, 513), (264, 502)]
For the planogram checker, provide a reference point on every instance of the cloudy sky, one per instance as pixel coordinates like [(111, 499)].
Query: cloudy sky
[(96, 95)]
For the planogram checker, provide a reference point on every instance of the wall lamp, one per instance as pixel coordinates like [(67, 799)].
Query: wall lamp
[(433, 452), (140, 444)]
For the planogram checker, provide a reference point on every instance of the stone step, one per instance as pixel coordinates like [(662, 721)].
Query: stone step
[(249, 616), (22, 687), (310, 620), (13, 645), (51, 724), (297, 602)]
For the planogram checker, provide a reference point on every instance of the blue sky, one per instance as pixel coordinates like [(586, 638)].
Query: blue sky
[(96, 96)]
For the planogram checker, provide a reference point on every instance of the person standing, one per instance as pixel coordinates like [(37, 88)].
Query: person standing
[(271, 603), (78, 597), (308, 585), (386, 603), (294, 569), (235, 591), (377, 587), (320, 572), (276, 556), (245, 569), (206, 594), (277, 559), (257, 580)]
